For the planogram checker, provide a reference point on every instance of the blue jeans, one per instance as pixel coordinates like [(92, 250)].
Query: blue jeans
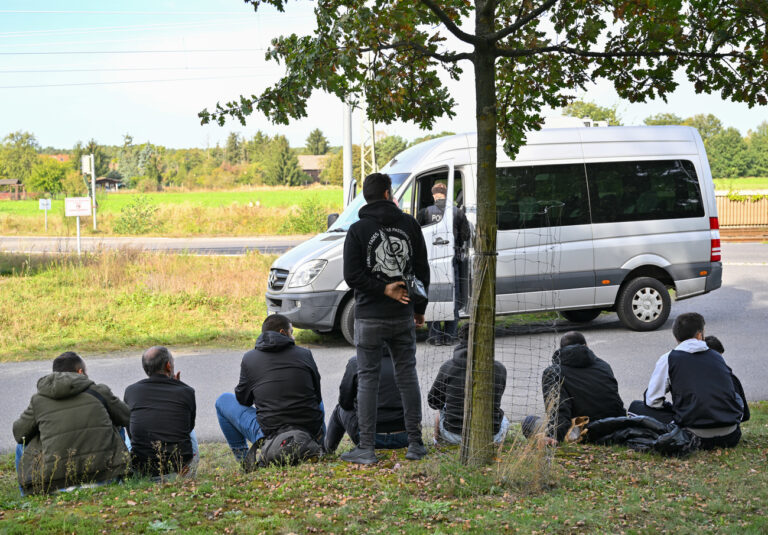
[(240, 424), (400, 336), (192, 437), (346, 421), (454, 438)]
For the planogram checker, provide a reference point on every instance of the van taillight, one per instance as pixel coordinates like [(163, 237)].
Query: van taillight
[(714, 231)]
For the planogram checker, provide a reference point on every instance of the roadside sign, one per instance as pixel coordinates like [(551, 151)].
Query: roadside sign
[(85, 163), (44, 204), (77, 206)]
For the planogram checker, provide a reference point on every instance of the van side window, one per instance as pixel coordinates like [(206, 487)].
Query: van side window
[(429, 211), (541, 196), (406, 200), (636, 191)]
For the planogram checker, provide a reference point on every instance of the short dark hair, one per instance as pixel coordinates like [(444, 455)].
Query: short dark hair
[(687, 325), (572, 338), (154, 359), (277, 323), (68, 362), (375, 185), (713, 342)]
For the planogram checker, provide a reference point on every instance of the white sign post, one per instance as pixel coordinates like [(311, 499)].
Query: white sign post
[(76, 207), (45, 204)]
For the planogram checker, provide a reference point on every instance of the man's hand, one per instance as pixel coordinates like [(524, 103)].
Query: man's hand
[(177, 376), (398, 292), (418, 319)]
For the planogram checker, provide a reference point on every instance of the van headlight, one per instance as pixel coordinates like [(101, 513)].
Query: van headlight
[(307, 273)]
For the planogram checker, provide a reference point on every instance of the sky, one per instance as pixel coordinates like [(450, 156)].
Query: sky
[(80, 70)]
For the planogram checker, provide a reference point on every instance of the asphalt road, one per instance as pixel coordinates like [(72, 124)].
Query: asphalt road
[(218, 246), (737, 314)]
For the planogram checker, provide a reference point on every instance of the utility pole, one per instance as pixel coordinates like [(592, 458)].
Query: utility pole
[(348, 186), (93, 190), (367, 147)]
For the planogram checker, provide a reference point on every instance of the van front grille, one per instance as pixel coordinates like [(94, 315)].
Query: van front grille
[(277, 278)]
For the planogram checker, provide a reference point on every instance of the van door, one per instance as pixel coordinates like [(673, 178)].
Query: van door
[(437, 228), (544, 239)]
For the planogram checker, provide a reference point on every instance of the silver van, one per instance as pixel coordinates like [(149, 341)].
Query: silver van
[(589, 219)]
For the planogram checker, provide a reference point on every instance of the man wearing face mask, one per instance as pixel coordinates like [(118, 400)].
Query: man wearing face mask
[(279, 388)]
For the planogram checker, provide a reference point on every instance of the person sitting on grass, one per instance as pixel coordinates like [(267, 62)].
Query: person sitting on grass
[(707, 398), (68, 435), (447, 395), (390, 425), (279, 388), (577, 383), (162, 429)]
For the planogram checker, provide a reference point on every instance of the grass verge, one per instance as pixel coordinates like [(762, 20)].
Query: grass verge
[(591, 489)]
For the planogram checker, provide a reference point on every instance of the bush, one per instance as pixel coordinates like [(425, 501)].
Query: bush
[(138, 217), (311, 217)]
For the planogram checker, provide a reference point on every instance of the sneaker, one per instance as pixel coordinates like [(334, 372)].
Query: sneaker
[(416, 451), (359, 456), (531, 424), (435, 340)]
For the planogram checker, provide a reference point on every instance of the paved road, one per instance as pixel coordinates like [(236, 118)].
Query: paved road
[(737, 314), (219, 246)]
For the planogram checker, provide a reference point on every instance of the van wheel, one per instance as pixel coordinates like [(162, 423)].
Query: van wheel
[(347, 321), (643, 304), (581, 316)]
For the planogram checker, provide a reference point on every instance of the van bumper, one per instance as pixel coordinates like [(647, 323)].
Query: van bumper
[(715, 277), (315, 310)]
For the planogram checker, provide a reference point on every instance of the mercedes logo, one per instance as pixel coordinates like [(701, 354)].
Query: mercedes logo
[(272, 278)]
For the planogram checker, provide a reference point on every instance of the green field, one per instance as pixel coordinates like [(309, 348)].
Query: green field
[(586, 489), (736, 184)]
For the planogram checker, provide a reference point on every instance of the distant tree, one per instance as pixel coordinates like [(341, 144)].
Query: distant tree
[(757, 143), (47, 176), (334, 172), (581, 109), (233, 153), (257, 148), (100, 156), (429, 136), (317, 142), (388, 148), (663, 119), (18, 155), (707, 124), (283, 167), (728, 154)]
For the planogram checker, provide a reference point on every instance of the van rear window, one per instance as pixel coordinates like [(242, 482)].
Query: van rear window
[(636, 191)]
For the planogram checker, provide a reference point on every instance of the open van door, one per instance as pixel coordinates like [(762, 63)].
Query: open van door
[(437, 228)]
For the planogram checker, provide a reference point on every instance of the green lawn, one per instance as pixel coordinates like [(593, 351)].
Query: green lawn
[(736, 184), (587, 489)]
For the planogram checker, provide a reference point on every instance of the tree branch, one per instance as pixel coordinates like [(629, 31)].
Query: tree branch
[(451, 57), (522, 21), (452, 26), (512, 53)]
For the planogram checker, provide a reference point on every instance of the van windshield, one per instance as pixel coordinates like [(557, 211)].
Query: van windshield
[(349, 215)]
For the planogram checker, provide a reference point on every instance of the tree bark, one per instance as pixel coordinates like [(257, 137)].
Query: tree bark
[(477, 435)]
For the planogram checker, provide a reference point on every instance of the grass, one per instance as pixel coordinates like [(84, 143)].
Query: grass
[(736, 184), (261, 211), (589, 489)]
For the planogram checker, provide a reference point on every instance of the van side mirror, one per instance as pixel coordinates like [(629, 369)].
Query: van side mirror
[(332, 219)]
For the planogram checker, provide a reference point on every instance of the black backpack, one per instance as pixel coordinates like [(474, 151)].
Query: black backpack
[(288, 447)]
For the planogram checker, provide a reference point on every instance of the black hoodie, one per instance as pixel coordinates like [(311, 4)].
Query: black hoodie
[(281, 380), (582, 385), (371, 262), (389, 404)]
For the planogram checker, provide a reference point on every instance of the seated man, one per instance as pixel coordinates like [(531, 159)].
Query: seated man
[(705, 399), (447, 395), (390, 425), (577, 383), (162, 425), (68, 435), (279, 388)]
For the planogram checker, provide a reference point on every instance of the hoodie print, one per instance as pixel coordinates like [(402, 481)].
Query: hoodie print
[(389, 256)]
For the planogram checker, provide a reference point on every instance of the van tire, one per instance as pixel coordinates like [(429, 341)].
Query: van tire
[(581, 316), (347, 321), (643, 304)]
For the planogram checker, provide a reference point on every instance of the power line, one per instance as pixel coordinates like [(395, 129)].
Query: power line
[(128, 82), (82, 12), (132, 27), (119, 69), (169, 51)]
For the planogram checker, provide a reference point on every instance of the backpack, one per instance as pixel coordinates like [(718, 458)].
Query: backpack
[(288, 447)]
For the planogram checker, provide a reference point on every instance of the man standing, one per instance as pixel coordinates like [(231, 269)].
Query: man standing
[(162, 418), (383, 244), (446, 334), (705, 400), (68, 435), (279, 389)]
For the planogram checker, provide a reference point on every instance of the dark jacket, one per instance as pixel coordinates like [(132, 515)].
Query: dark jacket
[(370, 263), (447, 392), (281, 380), (162, 417), (579, 384), (69, 436), (389, 405), (434, 214)]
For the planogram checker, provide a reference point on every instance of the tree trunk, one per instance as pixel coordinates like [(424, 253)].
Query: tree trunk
[(477, 435)]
